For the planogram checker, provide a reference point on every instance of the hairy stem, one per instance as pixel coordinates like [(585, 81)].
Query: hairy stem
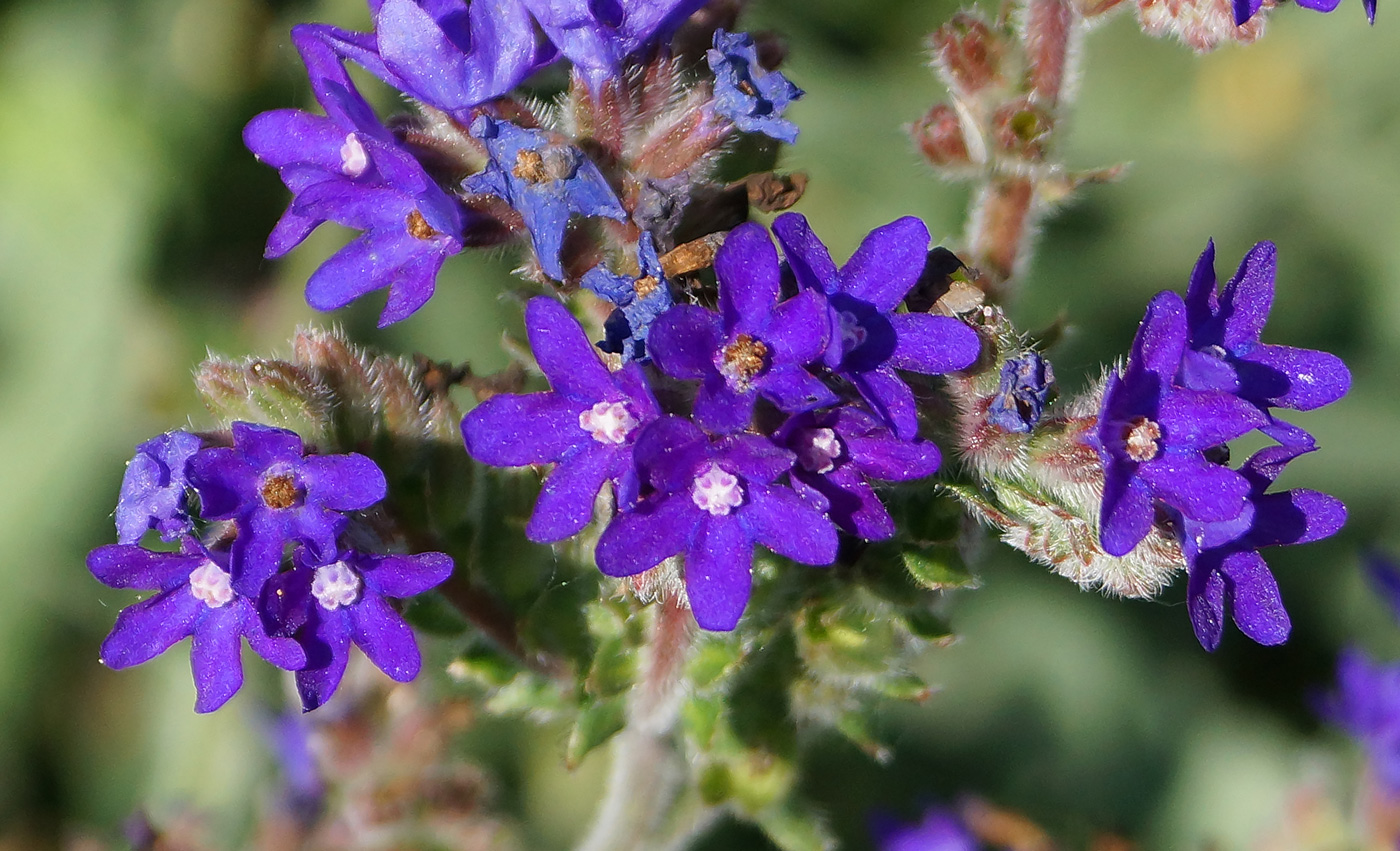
[(1007, 205), (647, 774)]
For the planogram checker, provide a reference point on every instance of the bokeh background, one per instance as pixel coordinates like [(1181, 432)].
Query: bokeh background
[(131, 227)]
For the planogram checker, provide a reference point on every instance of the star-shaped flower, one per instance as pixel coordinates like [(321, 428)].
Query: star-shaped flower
[(1152, 436), (278, 494), (747, 94), (544, 180), (712, 501), (869, 340), (329, 604), (838, 452), (588, 424), (348, 168), (1224, 351), (639, 301), (154, 487), (195, 598), (754, 345), (599, 35), (1226, 571)]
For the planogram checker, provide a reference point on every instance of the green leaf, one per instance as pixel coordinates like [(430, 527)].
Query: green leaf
[(614, 668), (597, 722), (793, 831), (434, 615), (716, 657), (700, 718), (938, 568)]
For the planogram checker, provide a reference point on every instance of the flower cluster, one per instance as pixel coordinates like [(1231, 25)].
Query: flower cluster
[(791, 403), (1197, 377), (634, 140), (237, 511)]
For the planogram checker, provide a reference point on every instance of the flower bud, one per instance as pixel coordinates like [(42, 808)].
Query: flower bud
[(968, 54), (940, 139), (1020, 129), (270, 392)]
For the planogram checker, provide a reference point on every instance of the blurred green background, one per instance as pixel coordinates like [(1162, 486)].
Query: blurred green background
[(131, 227)]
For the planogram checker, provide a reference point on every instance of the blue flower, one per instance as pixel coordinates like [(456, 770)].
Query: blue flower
[(279, 494), (754, 345), (153, 494), (639, 301), (1227, 573), (348, 168), (1022, 394), (712, 501), (195, 598), (327, 604), (588, 424), (599, 35), (869, 340), (745, 93), (544, 180), (1152, 436), (939, 830), (1367, 705)]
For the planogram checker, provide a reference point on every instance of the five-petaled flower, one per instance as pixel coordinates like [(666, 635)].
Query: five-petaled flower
[(747, 94)]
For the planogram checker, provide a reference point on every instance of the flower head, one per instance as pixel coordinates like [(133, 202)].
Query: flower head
[(328, 604), (754, 345), (1224, 351), (588, 424), (1022, 394), (747, 94), (278, 494), (348, 168), (1227, 574), (939, 830), (1367, 705), (869, 341), (712, 501), (154, 488), (1152, 436), (195, 598), (544, 180), (639, 301), (837, 454), (599, 35)]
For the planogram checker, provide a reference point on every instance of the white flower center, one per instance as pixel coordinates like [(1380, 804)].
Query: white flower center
[(354, 159), (716, 491), (336, 585), (853, 333), (210, 585), (608, 422), (818, 450), (1141, 439)]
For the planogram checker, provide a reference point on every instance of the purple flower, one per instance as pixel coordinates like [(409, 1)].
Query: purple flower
[(1367, 705), (1024, 391), (868, 339), (838, 452), (195, 598), (347, 168), (277, 495), (939, 830), (753, 345), (598, 35), (544, 180), (1246, 9), (1224, 351), (747, 94), (712, 501), (1385, 578), (588, 424), (639, 301), (330, 604), (1152, 436), (452, 54), (1226, 571), (153, 488)]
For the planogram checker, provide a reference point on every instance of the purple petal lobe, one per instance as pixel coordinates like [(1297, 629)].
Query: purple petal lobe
[(129, 566), (717, 573), (1200, 489), (148, 628), (511, 431), (1246, 299), (344, 482), (385, 638), (1258, 608), (799, 329), (564, 353), (684, 341), (643, 538), (891, 399), (1301, 379), (887, 264), (405, 576), (1126, 516), (1197, 419), (565, 503), (794, 389), (933, 345), (807, 257), (778, 519), (1161, 338), (749, 277), (216, 660)]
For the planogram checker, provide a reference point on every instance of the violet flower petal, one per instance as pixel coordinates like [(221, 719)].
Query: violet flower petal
[(1201, 490), (215, 659), (684, 340), (1257, 607), (750, 279), (405, 576), (348, 482), (778, 519), (515, 430), (565, 504), (564, 354), (933, 345), (147, 629), (381, 633), (648, 535), (718, 577), (887, 264)]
